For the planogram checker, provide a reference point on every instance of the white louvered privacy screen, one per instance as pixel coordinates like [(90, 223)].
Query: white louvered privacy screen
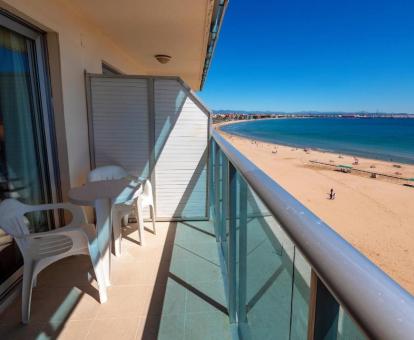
[(155, 128)]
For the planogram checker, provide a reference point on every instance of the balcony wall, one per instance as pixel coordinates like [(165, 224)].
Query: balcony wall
[(74, 45), (82, 34)]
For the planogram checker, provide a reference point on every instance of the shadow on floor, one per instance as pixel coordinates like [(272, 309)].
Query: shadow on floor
[(189, 298)]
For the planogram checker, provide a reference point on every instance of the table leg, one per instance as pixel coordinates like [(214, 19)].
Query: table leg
[(104, 231)]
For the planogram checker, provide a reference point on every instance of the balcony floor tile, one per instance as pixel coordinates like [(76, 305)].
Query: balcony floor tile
[(171, 288)]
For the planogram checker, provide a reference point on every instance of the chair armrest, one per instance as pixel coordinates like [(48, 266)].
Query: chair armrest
[(78, 214)]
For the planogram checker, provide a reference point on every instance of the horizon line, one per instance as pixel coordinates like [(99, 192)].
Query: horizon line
[(311, 111)]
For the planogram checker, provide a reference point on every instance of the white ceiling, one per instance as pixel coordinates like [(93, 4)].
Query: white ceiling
[(178, 28)]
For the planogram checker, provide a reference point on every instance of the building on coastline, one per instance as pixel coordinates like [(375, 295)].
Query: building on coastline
[(234, 116)]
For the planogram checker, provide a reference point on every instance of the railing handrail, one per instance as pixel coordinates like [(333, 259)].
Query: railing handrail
[(380, 307)]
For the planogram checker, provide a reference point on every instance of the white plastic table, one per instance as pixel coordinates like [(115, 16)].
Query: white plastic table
[(102, 195)]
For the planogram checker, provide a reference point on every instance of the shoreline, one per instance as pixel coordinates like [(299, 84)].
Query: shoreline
[(375, 215), (409, 179), (345, 153)]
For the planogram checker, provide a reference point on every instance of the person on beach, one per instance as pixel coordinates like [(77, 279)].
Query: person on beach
[(332, 194)]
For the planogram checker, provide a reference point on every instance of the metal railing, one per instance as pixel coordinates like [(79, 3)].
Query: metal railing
[(378, 305)]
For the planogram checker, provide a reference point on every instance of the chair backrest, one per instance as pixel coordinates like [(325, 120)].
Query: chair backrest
[(147, 191), (107, 172), (12, 219)]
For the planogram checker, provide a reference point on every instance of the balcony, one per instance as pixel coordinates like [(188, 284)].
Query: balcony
[(238, 258)]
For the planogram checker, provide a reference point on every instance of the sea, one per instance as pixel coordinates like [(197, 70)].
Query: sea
[(389, 139)]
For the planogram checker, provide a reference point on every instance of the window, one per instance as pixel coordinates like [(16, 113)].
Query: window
[(27, 165)]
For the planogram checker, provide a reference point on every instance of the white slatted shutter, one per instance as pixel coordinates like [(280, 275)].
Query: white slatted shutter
[(130, 119), (181, 152), (120, 123)]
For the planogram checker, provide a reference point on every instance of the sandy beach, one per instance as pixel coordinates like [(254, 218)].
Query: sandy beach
[(376, 215)]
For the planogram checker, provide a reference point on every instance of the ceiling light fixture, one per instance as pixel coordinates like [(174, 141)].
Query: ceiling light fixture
[(162, 58)]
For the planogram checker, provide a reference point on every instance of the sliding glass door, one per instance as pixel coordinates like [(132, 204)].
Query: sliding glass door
[(25, 169)]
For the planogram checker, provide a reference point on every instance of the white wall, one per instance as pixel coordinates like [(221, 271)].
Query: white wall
[(81, 47)]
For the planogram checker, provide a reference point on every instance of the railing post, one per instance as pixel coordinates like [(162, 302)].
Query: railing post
[(242, 288), (323, 312), (224, 198), (217, 218), (211, 191), (232, 246)]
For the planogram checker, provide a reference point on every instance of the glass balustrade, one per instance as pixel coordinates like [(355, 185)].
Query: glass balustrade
[(270, 292)]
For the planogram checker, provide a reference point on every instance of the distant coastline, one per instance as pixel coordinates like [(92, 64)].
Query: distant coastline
[(228, 115)]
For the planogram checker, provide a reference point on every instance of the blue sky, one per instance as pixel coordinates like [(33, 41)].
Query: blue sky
[(295, 55)]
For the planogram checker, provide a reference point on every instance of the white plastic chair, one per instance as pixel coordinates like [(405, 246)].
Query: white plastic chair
[(107, 172), (40, 250), (145, 199), (121, 212)]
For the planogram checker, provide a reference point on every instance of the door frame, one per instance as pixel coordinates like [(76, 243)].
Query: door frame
[(45, 121)]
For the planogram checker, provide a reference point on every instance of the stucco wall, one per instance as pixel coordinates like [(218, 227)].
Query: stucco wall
[(81, 47)]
